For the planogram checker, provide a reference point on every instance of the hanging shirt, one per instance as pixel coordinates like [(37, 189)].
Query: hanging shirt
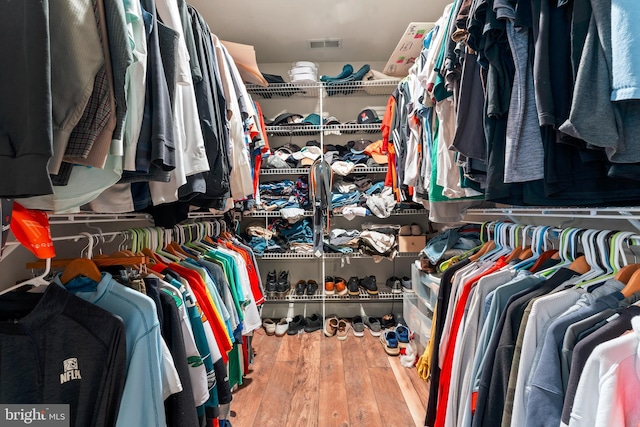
[(607, 393), (144, 347), (59, 349)]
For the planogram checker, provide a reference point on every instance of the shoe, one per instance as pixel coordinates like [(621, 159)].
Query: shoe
[(405, 230), (406, 284), (357, 326), (416, 230), (404, 335), (283, 286), (400, 320), (389, 341), (329, 286), (373, 325), (269, 327), (301, 287), (343, 329), (341, 286), (271, 284), (330, 326), (312, 287), (281, 327), (353, 285), (395, 284), (388, 321), (313, 323), (296, 325), (368, 283)]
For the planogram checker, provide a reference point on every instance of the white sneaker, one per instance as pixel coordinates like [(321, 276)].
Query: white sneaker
[(281, 327)]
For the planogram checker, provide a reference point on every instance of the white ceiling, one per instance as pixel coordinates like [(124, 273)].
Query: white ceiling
[(279, 29)]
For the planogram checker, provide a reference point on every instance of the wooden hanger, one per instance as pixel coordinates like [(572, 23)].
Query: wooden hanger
[(580, 265), (489, 246), (81, 267), (625, 273), (633, 285)]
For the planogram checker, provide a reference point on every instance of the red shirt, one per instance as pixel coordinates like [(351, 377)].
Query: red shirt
[(199, 290), (445, 373)]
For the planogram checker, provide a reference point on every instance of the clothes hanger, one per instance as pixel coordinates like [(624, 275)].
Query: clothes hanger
[(517, 249), (34, 281), (625, 269), (82, 266), (486, 244)]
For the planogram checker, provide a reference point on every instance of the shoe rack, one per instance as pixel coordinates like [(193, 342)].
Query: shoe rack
[(314, 98)]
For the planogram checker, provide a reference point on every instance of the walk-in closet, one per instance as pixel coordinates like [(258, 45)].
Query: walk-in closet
[(414, 213)]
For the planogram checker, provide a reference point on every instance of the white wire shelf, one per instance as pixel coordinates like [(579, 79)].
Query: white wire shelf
[(402, 212), (304, 171), (93, 217), (361, 88), (269, 214), (362, 296), (629, 214), (300, 130), (332, 256)]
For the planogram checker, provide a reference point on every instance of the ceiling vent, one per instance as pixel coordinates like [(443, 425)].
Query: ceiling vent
[(324, 43)]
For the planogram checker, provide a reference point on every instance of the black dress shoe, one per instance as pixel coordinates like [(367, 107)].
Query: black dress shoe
[(313, 323), (296, 325), (312, 287), (301, 287)]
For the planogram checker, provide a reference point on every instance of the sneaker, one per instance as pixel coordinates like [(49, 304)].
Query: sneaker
[(281, 327), (403, 335), (416, 230), (405, 230), (271, 284), (329, 286), (357, 326), (330, 326), (389, 341), (269, 327), (373, 325), (313, 323), (343, 329), (407, 286), (395, 284), (353, 286), (312, 287), (296, 325), (341, 286), (369, 284), (301, 287), (283, 286), (388, 321)]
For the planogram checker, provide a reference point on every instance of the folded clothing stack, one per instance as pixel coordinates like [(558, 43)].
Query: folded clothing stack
[(370, 242), (341, 84), (303, 72), (285, 194), (281, 236)]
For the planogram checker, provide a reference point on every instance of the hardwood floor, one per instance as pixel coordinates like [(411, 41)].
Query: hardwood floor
[(311, 380)]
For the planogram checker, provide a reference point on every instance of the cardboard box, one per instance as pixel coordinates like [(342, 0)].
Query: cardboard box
[(411, 243), (408, 49)]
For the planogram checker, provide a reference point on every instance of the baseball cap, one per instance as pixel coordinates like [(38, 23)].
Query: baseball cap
[(313, 143), (368, 116), (358, 147), (375, 151), (307, 155), (288, 119), (331, 121), (312, 119)]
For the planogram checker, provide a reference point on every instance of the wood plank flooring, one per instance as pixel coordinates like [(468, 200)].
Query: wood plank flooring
[(311, 380)]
